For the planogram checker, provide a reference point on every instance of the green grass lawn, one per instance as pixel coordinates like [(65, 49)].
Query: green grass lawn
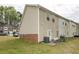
[(19, 46)]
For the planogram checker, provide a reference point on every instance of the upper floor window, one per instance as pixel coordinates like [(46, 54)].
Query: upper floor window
[(53, 20), (73, 25), (65, 24), (48, 18)]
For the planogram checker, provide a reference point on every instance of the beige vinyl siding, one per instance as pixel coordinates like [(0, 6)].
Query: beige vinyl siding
[(63, 27), (45, 25), (77, 32), (35, 21), (30, 21), (72, 29)]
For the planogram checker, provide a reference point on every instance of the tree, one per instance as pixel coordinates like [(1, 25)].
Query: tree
[(1, 13), (9, 15)]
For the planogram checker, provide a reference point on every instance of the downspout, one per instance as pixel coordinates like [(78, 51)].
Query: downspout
[(38, 25)]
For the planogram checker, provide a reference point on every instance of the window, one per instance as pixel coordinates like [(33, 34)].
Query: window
[(53, 20), (65, 24), (48, 18), (73, 25), (73, 33), (57, 33), (67, 33)]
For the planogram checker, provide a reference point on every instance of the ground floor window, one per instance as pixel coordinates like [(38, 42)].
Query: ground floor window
[(57, 33)]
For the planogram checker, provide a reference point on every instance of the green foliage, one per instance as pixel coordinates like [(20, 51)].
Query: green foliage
[(9, 15), (1, 12), (62, 39)]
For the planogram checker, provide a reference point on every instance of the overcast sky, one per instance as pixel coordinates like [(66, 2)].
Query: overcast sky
[(66, 8)]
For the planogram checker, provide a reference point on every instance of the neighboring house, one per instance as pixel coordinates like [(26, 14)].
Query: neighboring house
[(39, 22), (1, 27), (5, 28)]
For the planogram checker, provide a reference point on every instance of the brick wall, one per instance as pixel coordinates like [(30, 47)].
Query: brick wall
[(30, 37)]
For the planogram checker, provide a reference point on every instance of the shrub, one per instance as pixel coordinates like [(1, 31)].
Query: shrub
[(62, 39)]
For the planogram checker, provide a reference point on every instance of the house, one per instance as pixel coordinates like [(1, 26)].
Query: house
[(39, 22), (73, 28), (3, 29), (63, 27)]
